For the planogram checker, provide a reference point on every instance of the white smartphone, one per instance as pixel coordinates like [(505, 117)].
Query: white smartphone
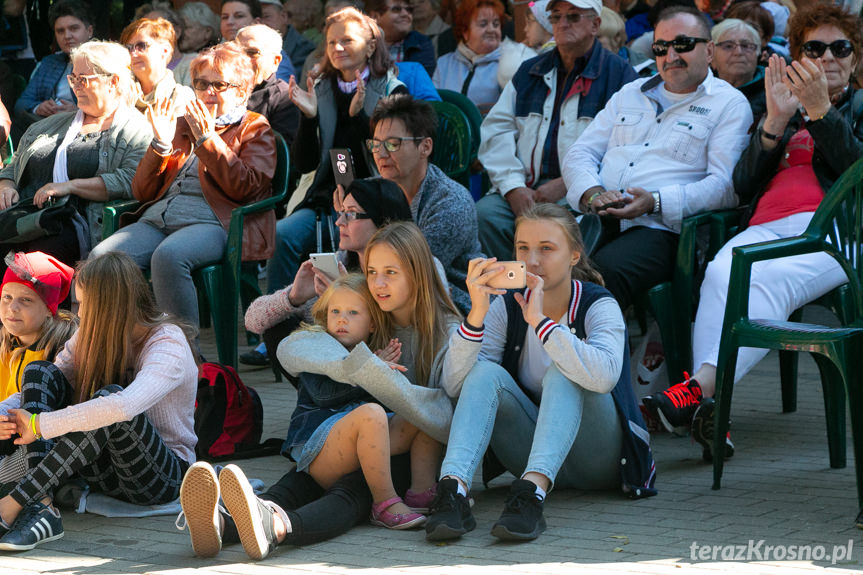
[(327, 263)]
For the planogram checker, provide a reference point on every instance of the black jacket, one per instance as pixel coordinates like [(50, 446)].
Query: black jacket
[(270, 99)]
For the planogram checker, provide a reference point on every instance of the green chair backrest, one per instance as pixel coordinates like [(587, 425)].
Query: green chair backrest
[(452, 144), (471, 112)]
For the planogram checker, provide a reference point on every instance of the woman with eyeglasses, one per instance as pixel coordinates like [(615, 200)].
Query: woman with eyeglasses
[(735, 60), (85, 157), (335, 107), (200, 166), (472, 69), (812, 131), (151, 44)]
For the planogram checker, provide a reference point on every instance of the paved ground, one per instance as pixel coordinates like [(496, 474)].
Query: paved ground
[(780, 501)]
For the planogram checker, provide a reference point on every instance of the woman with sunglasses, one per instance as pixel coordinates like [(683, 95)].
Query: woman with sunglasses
[(89, 155), (812, 132), (198, 168), (152, 44)]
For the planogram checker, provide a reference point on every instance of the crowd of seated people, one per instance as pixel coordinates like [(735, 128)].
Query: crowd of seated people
[(413, 366)]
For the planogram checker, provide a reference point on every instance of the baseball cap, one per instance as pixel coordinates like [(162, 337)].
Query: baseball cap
[(595, 5)]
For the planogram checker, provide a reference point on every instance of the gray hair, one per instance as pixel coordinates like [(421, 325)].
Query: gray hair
[(107, 58), (269, 38), (733, 25), (203, 15)]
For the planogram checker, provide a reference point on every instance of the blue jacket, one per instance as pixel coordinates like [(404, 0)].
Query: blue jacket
[(417, 81), (297, 47), (43, 82), (419, 48)]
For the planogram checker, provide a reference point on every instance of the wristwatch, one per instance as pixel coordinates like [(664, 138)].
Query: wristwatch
[(657, 204)]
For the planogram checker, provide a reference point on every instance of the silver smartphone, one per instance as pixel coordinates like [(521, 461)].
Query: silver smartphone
[(327, 263)]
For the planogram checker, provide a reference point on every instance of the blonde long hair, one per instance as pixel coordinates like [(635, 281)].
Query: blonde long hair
[(431, 300), (116, 301), (357, 284), (583, 270)]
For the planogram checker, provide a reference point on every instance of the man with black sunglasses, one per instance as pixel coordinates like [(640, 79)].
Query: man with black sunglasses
[(541, 112), (664, 148)]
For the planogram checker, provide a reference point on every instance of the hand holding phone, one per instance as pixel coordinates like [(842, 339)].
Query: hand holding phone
[(327, 263), (513, 276)]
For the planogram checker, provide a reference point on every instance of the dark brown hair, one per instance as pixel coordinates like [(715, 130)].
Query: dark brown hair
[(379, 62)]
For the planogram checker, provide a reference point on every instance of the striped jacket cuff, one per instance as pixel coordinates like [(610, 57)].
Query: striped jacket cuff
[(471, 333), (544, 329)]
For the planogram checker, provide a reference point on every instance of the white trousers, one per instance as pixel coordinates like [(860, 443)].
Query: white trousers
[(777, 288)]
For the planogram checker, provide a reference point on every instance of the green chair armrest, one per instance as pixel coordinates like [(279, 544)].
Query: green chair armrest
[(111, 213)]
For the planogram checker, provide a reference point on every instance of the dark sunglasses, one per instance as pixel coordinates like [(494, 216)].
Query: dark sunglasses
[(681, 45), (839, 48), (137, 47), (218, 85)]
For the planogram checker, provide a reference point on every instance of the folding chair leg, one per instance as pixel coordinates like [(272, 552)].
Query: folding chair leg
[(726, 367)]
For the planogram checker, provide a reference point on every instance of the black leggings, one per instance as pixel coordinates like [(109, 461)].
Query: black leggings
[(127, 460), (317, 514)]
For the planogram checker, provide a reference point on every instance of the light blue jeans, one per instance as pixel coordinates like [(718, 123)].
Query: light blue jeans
[(170, 257), (296, 237), (573, 437)]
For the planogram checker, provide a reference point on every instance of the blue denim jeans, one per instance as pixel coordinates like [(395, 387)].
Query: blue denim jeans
[(295, 238), (573, 437)]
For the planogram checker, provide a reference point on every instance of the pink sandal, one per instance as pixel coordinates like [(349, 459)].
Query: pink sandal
[(420, 501), (383, 518)]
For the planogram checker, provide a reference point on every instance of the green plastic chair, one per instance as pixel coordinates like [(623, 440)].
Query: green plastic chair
[(474, 117), (452, 145), (836, 230), (222, 281)]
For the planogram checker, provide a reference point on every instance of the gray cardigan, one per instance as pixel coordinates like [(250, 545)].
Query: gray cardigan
[(119, 155), (428, 408)]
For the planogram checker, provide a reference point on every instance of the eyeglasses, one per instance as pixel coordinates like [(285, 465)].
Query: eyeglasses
[(396, 8), (391, 144), (571, 17), (351, 216), (252, 52), (84, 79), (137, 47), (681, 45), (839, 48), (731, 46), (218, 86)]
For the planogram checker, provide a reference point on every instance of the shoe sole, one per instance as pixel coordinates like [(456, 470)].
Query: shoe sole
[(418, 522), (14, 547), (443, 532), (504, 534), (702, 432), (241, 502), (199, 497)]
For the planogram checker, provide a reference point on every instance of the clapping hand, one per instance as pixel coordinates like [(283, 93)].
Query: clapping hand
[(781, 101), (807, 81), (391, 355), (359, 96), (306, 100), (200, 120), (163, 119)]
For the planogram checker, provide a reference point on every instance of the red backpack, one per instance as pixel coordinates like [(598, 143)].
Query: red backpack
[(229, 416)]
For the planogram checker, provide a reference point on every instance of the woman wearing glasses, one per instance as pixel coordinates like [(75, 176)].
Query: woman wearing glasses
[(735, 60), (151, 44), (89, 155), (811, 133), (472, 69), (199, 167), (335, 110)]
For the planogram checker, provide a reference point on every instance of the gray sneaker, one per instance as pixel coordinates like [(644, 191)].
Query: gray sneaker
[(254, 518)]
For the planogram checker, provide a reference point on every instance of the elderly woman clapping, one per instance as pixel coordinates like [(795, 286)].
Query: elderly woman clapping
[(89, 155), (200, 166)]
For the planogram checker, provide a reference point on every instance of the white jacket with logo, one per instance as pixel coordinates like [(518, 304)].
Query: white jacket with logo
[(687, 152)]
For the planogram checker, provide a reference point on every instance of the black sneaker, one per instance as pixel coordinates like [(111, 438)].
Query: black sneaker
[(254, 357), (522, 518), (199, 498), (37, 523), (449, 514), (702, 430), (253, 517), (675, 406)]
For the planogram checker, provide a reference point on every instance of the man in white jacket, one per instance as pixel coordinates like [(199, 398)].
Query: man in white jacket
[(664, 148)]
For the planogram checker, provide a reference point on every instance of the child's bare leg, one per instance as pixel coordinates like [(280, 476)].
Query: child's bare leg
[(359, 440), (425, 452)]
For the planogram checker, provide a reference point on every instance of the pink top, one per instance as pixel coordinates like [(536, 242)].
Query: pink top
[(269, 310), (795, 188), (164, 389)]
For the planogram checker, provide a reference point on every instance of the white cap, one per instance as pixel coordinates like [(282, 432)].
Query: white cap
[(595, 5), (540, 12), (273, 2)]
